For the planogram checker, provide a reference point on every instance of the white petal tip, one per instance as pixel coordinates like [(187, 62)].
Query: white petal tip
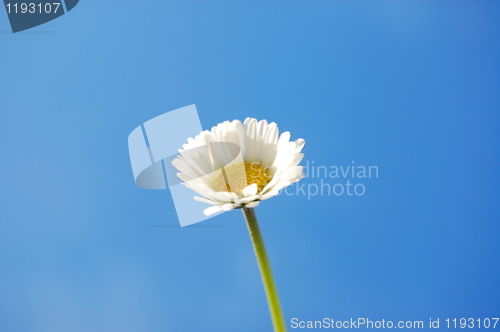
[(212, 210)]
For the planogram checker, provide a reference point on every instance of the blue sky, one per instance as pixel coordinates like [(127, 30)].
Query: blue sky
[(411, 88)]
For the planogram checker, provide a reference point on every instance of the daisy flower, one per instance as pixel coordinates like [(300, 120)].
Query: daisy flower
[(237, 165)]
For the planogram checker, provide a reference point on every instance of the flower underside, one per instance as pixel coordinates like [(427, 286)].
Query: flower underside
[(236, 177)]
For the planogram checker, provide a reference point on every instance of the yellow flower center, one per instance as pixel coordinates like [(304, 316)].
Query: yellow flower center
[(235, 177)]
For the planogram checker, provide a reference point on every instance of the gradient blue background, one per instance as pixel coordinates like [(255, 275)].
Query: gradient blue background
[(410, 87)]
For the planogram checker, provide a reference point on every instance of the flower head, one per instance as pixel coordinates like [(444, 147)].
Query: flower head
[(239, 164)]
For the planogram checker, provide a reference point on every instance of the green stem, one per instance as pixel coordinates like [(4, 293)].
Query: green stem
[(265, 270)]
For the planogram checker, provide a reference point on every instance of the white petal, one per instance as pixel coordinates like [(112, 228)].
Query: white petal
[(241, 133), (251, 140), (280, 185), (252, 204), (262, 127), (269, 195), (250, 190), (284, 138), (205, 200), (249, 199), (223, 196), (300, 144), (227, 207)]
